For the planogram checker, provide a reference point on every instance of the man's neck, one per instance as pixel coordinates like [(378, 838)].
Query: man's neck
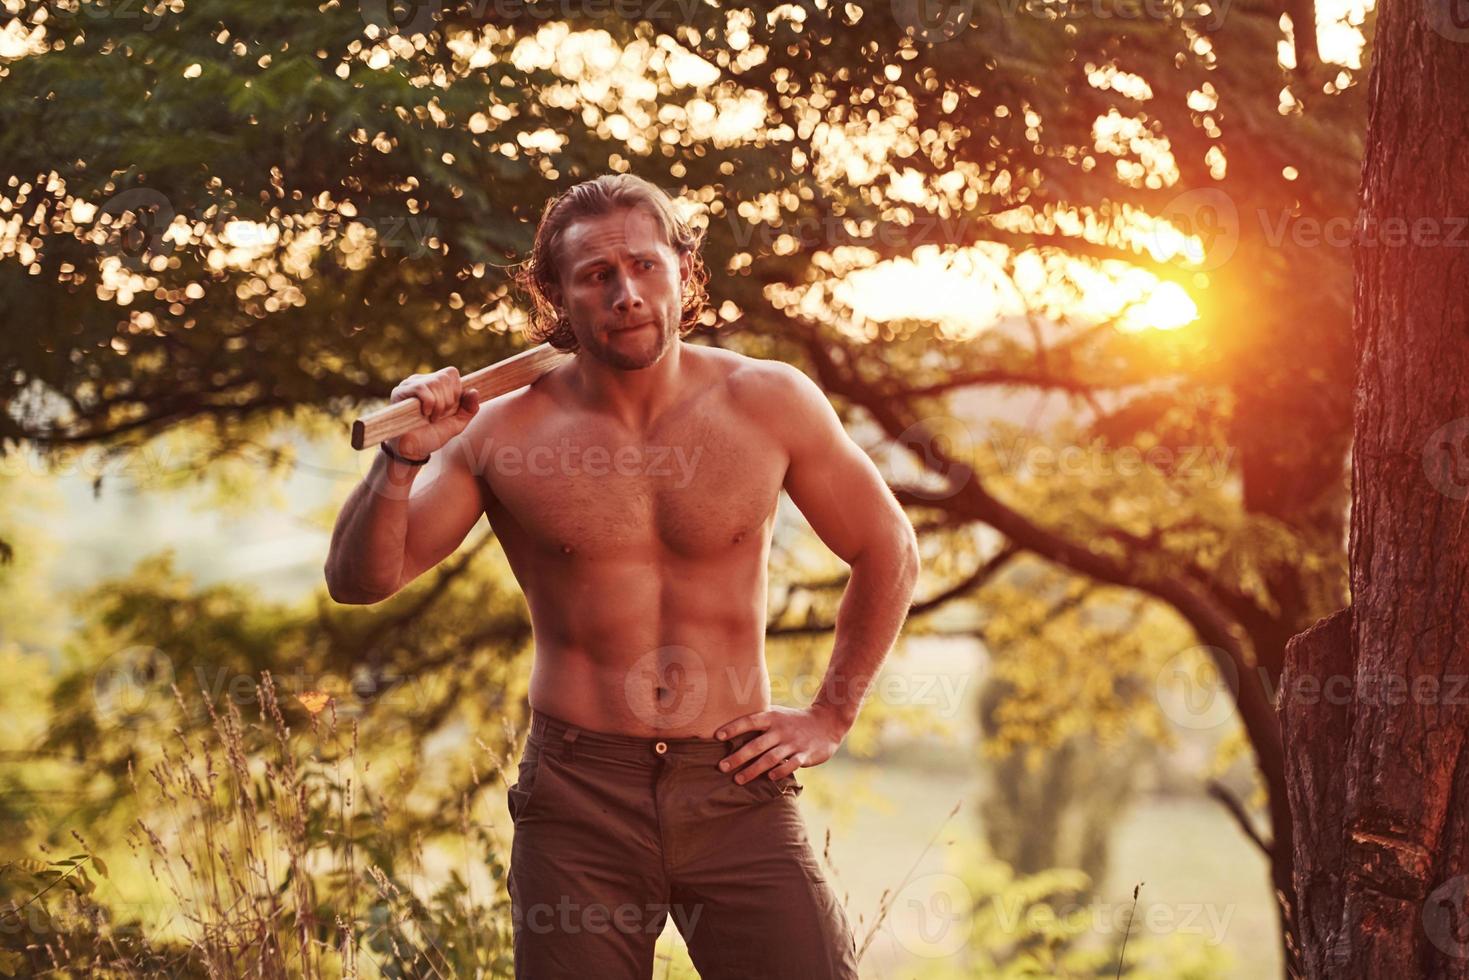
[(636, 399)]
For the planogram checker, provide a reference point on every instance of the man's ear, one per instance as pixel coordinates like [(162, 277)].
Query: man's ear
[(685, 269)]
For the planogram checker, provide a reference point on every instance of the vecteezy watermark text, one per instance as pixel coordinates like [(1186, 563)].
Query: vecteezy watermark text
[(569, 459), (568, 917)]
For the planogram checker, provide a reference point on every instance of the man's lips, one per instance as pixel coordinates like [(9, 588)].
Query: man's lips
[(636, 326)]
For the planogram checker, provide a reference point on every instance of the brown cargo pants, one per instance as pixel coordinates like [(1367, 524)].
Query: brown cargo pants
[(613, 833)]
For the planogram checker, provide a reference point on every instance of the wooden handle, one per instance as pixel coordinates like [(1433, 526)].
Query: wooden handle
[(491, 380)]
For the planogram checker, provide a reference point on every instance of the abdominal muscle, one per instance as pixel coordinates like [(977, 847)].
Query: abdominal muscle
[(645, 652), (691, 697)]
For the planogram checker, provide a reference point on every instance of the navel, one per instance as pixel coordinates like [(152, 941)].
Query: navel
[(566, 549)]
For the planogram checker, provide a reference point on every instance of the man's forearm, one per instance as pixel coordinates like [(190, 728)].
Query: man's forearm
[(873, 608), (365, 559)]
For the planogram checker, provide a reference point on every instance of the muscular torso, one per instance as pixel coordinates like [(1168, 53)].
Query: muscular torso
[(642, 555)]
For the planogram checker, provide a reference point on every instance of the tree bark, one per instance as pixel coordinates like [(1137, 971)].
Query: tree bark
[(1379, 767)]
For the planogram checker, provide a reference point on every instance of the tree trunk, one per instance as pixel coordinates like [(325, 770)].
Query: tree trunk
[(1374, 704)]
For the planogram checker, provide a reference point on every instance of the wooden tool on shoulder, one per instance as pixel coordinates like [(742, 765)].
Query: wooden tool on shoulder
[(494, 379)]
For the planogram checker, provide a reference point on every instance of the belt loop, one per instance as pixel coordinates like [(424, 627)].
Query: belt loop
[(569, 740)]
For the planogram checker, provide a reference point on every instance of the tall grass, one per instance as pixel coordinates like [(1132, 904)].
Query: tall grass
[(272, 856)]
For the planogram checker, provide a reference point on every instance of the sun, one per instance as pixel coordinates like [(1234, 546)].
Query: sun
[(1166, 307)]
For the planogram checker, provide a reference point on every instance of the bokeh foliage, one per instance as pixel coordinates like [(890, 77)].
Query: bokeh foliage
[(224, 221)]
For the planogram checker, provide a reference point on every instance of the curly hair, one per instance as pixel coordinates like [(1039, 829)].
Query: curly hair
[(539, 275)]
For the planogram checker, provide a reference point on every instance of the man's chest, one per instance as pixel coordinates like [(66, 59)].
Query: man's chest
[(697, 486)]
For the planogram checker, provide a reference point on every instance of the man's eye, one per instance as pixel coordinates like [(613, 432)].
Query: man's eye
[(649, 263), (599, 276)]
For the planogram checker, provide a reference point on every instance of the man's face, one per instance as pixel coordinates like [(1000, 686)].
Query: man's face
[(622, 287)]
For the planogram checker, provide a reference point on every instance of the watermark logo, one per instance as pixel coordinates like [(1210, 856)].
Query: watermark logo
[(1201, 224), (1208, 921), (400, 921), (59, 12), (406, 17), (138, 218), (933, 21), (1448, 18), (1032, 458), (942, 443), (568, 916), (1446, 459), (1446, 917), (1191, 691), (667, 687), (932, 915), (129, 681), (396, 485)]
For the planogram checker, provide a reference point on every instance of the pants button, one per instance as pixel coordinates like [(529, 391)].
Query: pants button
[(661, 748)]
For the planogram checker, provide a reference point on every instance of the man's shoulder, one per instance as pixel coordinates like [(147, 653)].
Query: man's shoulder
[(757, 382), (536, 398), (778, 397)]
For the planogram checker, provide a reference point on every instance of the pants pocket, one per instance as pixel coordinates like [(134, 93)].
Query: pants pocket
[(520, 795), (765, 788)]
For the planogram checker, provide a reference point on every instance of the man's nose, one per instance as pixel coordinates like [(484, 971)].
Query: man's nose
[(628, 298)]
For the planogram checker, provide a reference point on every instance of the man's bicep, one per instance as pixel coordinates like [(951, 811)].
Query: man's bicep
[(834, 484), (441, 512)]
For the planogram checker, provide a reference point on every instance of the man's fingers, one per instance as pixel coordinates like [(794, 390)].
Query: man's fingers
[(446, 400), (441, 396), (428, 400), (766, 765), (453, 391), (748, 751), (787, 767), (745, 723)]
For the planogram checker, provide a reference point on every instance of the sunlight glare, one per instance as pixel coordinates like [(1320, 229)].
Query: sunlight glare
[(1167, 307)]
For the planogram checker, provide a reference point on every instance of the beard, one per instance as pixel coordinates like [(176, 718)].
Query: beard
[(643, 348)]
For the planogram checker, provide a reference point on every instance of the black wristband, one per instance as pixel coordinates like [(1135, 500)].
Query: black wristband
[(403, 459)]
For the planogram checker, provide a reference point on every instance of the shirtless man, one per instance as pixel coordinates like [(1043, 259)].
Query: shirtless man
[(634, 490)]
